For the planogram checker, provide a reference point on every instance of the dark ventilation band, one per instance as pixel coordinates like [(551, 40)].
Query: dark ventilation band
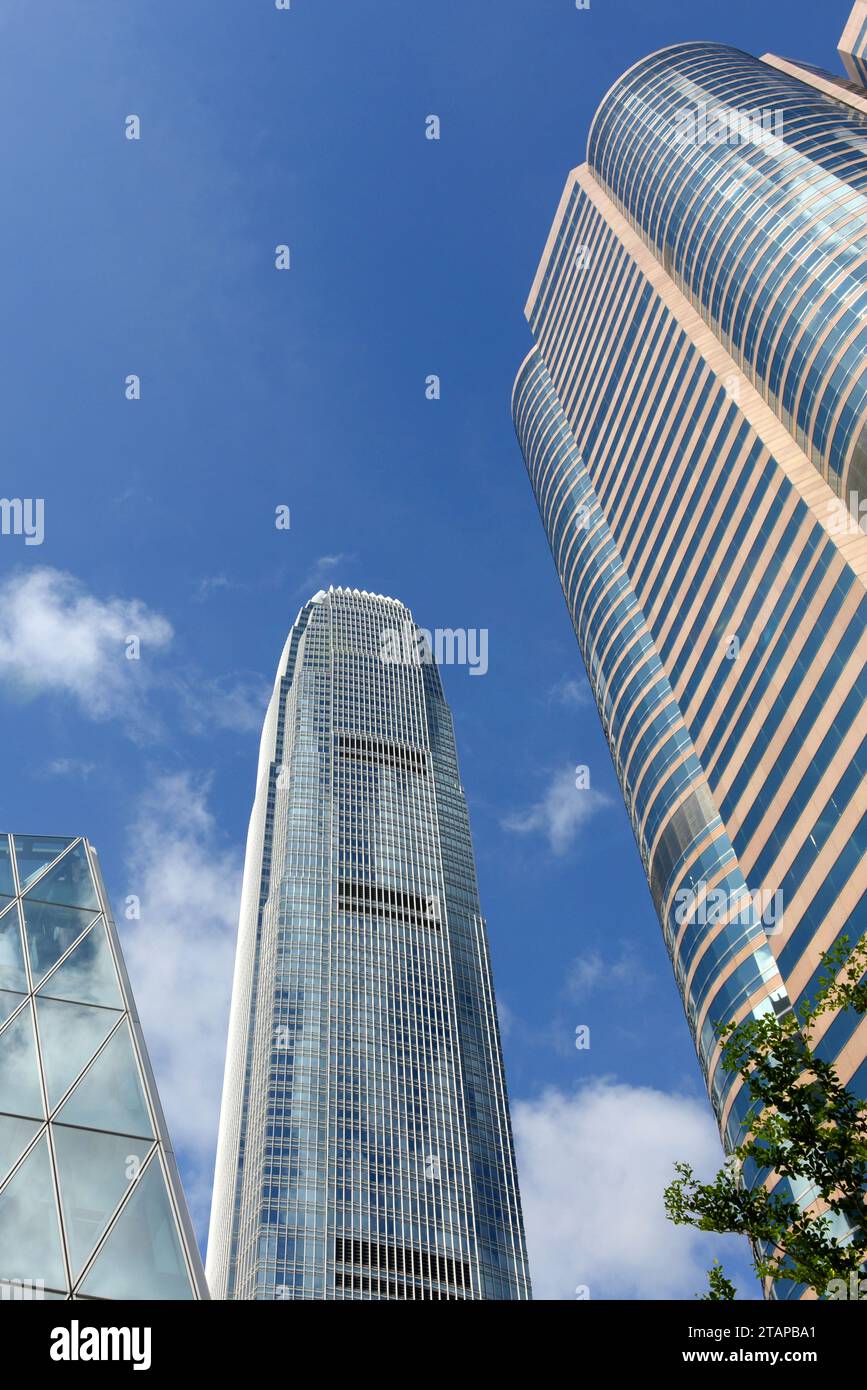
[(396, 1260), (380, 751), (368, 900)]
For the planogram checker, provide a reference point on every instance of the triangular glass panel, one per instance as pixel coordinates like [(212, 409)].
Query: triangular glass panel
[(7, 880), (20, 1093), (12, 972), (9, 1003), (70, 882), (88, 974), (34, 852), (142, 1257), (95, 1171), (69, 1035), (110, 1095), (30, 1247), (15, 1134), (50, 931)]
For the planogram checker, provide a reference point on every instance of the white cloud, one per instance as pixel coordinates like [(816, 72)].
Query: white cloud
[(593, 1167), (210, 584), (321, 570), (561, 814), (590, 973), (179, 956), (67, 767), (571, 692), (506, 1017), (224, 704), (56, 638)]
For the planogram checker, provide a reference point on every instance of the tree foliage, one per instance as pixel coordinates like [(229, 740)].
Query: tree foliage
[(803, 1124)]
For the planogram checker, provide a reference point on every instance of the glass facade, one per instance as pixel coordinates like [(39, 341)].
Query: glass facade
[(690, 412), (365, 1146), (853, 44), (764, 229), (90, 1202)]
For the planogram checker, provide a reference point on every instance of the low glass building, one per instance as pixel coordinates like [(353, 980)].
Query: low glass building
[(91, 1205)]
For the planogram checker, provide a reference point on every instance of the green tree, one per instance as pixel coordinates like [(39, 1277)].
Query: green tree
[(803, 1124), (720, 1288)]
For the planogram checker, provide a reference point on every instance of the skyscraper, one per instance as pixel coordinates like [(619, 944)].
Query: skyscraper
[(365, 1149), (91, 1205), (853, 44), (692, 419)]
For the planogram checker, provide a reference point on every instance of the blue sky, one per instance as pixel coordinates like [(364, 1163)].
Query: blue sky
[(306, 389)]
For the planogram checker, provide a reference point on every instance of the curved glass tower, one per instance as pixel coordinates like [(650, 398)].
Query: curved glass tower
[(365, 1148), (691, 415), (760, 218)]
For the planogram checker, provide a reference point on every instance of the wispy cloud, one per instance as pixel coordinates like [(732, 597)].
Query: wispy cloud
[(211, 584), (561, 814), (179, 956), (67, 767), (322, 570), (230, 703), (593, 1167), (571, 692), (592, 973)]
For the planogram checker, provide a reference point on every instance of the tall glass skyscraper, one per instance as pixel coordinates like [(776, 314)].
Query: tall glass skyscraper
[(692, 416), (365, 1149), (91, 1205)]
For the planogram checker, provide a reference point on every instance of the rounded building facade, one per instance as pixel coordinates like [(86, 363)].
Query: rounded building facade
[(750, 186)]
